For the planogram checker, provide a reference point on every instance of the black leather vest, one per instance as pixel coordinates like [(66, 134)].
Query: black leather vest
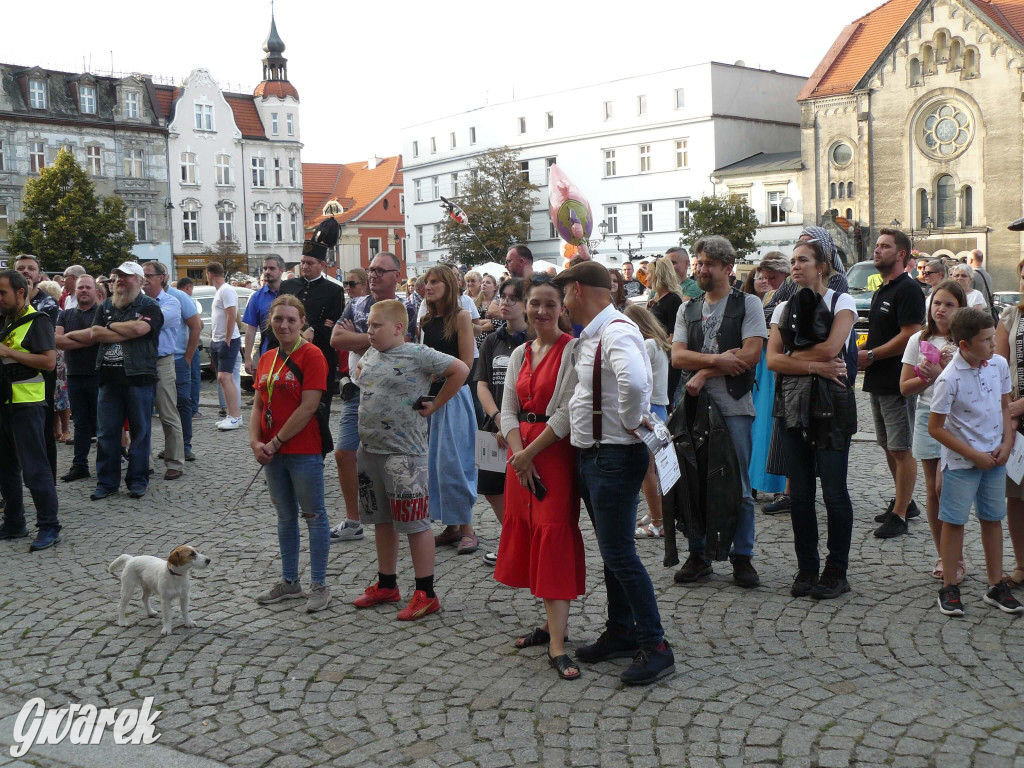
[(730, 336)]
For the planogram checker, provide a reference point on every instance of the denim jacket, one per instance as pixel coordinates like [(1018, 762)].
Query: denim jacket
[(139, 354)]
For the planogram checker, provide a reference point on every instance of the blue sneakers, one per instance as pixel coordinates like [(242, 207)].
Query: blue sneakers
[(47, 538)]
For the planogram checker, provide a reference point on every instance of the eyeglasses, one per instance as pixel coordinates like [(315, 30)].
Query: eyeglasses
[(932, 272), (148, 275), (354, 283), (377, 272), (508, 300)]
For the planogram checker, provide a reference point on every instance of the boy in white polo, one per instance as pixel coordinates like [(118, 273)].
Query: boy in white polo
[(970, 418)]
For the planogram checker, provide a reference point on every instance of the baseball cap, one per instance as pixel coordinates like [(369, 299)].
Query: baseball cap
[(131, 268), (586, 273)]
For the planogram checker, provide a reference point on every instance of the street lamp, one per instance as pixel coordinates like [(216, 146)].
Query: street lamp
[(629, 250), (895, 224), (593, 243)]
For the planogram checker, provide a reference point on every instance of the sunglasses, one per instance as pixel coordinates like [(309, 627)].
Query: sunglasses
[(541, 279), (352, 283), (931, 272)]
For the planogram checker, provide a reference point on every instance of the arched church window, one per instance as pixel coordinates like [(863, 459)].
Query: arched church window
[(941, 47), (832, 195), (842, 190), (956, 56), (922, 206), (927, 60), (968, 206), (915, 71), (849, 215), (970, 63), (945, 202), (849, 189)]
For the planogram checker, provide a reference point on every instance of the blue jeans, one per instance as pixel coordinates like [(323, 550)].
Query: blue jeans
[(183, 389), (802, 461), (116, 402), (296, 480), (610, 478), (83, 391), (197, 379), (23, 459), (740, 431)]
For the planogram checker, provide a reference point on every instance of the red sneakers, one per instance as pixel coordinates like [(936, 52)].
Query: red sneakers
[(419, 606), (375, 596)]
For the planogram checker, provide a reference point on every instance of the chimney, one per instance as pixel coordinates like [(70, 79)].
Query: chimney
[(373, 162)]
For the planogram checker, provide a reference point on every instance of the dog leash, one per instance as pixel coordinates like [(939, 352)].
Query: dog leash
[(247, 488)]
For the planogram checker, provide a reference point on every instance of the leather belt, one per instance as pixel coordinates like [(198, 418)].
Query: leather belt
[(533, 418)]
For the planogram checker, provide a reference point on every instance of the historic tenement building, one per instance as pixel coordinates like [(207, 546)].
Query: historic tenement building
[(916, 116), (116, 129)]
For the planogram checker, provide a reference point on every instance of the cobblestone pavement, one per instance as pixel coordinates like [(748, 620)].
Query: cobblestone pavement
[(877, 677)]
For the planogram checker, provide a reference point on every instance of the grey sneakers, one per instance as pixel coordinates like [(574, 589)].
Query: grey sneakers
[(283, 590), (319, 598)]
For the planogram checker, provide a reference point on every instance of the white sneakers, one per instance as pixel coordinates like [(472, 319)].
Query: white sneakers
[(229, 423)]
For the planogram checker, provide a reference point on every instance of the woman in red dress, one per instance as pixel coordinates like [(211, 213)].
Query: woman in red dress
[(541, 545)]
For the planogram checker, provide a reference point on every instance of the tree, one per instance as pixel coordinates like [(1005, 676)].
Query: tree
[(64, 222), (728, 216), (230, 257), (498, 201)]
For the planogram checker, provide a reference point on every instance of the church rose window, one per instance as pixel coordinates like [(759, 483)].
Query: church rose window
[(842, 154), (945, 130)]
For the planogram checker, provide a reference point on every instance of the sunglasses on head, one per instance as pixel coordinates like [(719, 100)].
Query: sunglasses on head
[(541, 279)]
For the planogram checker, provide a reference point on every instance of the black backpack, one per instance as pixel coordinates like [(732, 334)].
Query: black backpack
[(6, 384), (323, 413)]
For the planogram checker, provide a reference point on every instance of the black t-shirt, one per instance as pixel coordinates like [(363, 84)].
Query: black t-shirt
[(897, 303), (665, 310), (494, 357), (324, 302), (80, 362), (633, 288), (112, 369)]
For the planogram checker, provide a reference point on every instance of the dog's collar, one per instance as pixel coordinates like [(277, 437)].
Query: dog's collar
[(173, 572)]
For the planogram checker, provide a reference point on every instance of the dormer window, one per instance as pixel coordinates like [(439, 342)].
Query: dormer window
[(37, 94), (87, 99), (131, 104), (333, 208)]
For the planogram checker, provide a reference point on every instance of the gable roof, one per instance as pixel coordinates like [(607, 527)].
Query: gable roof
[(762, 162), (247, 118), (355, 186)]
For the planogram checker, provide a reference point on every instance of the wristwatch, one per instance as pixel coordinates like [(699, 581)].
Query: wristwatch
[(871, 355)]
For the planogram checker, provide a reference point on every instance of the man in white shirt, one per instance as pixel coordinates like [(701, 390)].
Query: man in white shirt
[(718, 341), (225, 342), (612, 464)]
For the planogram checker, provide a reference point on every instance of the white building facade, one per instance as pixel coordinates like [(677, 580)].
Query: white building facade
[(639, 148)]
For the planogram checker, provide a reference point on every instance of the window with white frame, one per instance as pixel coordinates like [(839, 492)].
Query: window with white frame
[(373, 246), (133, 163), (682, 153), (87, 99), (524, 170), (419, 237), (137, 223), (415, 149), (417, 188), (226, 224), (3, 166), (641, 105), (93, 160), (611, 216), (522, 125), (607, 110), (433, 145), (188, 167), (646, 217), (682, 212), (36, 156), (472, 135), (295, 227), (435, 187), (679, 98), (289, 120), (204, 117), (292, 177), (451, 140), (223, 170), (260, 219), (259, 172), (548, 162), (775, 213), (455, 184), (131, 104), (645, 158), (279, 227), (37, 94), (550, 118), (190, 225), (3, 221), (609, 162), (273, 124), (277, 171)]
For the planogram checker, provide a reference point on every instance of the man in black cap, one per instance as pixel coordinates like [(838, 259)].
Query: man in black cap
[(323, 299)]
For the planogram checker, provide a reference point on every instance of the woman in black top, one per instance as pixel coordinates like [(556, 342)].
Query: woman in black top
[(665, 304)]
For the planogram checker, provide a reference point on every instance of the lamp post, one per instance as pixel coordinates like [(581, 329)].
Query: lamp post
[(593, 243), (629, 251)]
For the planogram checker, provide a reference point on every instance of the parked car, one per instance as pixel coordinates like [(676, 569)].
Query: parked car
[(1005, 299), (857, 276), (203, 296)]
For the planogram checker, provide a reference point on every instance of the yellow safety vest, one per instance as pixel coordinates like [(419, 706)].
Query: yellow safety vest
[(31, 390)]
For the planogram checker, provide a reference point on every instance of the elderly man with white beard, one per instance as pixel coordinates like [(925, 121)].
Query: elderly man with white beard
[(127, 329)]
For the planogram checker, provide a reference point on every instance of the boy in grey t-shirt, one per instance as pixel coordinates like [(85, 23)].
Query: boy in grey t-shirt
[(392, 455)]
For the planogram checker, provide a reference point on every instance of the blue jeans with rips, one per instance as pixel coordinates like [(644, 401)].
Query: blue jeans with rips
[(183, 389), (296, 481), (117, 401), (610, 478), (740, 432)]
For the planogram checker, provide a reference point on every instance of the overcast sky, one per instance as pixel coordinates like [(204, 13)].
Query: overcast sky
[(365, 69)]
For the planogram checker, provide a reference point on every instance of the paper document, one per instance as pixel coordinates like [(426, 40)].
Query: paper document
[(489, 456), (1015, 466), (659, 443)]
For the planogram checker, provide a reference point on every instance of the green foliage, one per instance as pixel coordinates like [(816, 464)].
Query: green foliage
[(498, 201), (230, 256), (64, 222), (729, 217)]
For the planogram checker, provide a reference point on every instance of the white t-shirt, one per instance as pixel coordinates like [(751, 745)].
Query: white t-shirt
[(226, 297), (465, 303), (659, 369), (912, 356), (976, 298)]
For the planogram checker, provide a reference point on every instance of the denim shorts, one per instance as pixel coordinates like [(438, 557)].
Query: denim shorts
[(894, 420), (393, 489), (963, 488), (925, 446), (348, 426), (224, 355)]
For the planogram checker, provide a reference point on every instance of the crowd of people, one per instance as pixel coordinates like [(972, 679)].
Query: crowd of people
[(567, 372)]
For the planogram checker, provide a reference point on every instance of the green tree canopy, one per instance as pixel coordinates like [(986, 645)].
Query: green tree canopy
[(498, 201), (64, 222), (728, 216)]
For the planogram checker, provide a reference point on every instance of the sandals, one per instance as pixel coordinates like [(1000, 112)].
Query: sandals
[(564, 665), (1015, 579), (650, 531), (937, 570), (449, 535), (468, 544), (536, 637), (961, 571)]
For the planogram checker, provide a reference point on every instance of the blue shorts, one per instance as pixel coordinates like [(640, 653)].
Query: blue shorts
[(985, 490), (925, 446), (224, 355), (348, 426)]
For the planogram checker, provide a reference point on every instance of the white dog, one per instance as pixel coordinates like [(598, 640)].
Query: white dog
[(166, 578)]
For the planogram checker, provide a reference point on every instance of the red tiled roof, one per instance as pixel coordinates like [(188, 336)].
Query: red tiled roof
[(278, 88), (247, 118), (861, 43), (166, 96), (354, 185)]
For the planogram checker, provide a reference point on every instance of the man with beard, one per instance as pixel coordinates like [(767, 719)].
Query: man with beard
[(83, 380), (127, 329), (718, 341), (26, 350), (257, 312)]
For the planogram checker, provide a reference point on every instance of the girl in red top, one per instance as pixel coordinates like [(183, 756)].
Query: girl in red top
[(285, 439)]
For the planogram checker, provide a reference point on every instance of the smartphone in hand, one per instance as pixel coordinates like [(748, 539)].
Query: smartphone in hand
[(421, 401), (539, 489)]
